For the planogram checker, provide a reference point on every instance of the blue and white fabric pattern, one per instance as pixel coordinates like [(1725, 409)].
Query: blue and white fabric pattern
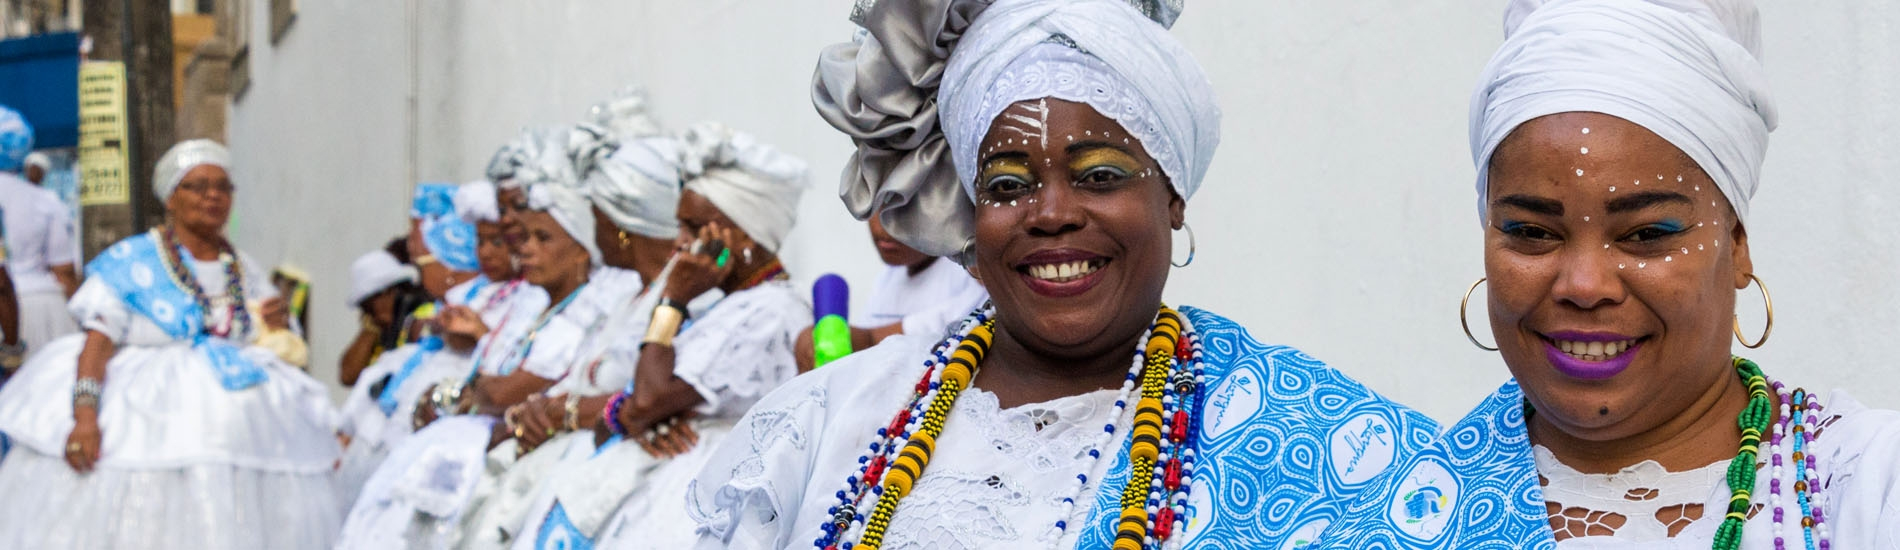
[(1475, 487), (16, 139), (135, 269), (1286, 442)]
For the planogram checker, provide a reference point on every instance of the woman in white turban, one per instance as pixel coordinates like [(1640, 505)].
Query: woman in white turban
[(429, 481), (162, 426), (680, 382), (1056, 161), (1618, 145)]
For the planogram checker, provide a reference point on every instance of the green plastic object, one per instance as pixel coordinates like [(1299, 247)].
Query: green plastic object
[(830, 339)]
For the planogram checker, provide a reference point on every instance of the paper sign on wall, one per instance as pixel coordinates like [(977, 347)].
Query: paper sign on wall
[(103, 168)]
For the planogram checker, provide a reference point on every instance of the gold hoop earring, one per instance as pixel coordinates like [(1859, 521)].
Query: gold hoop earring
[(1464, 304), (1766, 301), (1190, 258)]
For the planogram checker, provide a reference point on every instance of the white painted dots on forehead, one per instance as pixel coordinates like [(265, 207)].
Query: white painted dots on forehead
[(1586, 130)]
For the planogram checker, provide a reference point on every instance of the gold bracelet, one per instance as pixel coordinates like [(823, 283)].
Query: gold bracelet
[(573, 418), (665, 325), (422, 260)]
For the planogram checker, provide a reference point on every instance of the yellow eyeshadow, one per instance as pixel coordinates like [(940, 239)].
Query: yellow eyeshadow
[(1103, 156), (1005, 167)]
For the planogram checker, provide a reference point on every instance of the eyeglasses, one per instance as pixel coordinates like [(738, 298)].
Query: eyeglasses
[(202, 188)]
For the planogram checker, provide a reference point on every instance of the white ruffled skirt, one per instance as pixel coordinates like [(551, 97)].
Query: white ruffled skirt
[(618, 496), (44, 318), (373, 435), (184, 462), (417, 497)]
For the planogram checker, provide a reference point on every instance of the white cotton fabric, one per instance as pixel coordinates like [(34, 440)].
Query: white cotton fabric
[(375, 271), (1108, 55), (732, 354), (475, 202), (373, 435), (571, 209), (1858, 455), (437, 478), (186, 463), (1687, 70), (181, 158), (769, 486), (925, 304), (638, 186), (39, 235), (37, 159), (754, 184)]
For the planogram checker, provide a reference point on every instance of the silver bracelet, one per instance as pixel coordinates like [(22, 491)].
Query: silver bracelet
[(86, 392), (11, 357)]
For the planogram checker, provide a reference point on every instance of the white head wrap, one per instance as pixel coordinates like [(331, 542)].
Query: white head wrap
[(375, 271), (540, 155), (754, 184), (475, 202), (638, 186), (974, 58), (181, 159), (570, 208), (1687, 70), (36, 158), (625, 116)]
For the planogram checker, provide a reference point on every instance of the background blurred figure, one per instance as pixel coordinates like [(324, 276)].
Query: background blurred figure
[(37, 165), (917, 294), (377, 281), (39, 241)]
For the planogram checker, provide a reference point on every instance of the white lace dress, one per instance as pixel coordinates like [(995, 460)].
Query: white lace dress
[(1644, 507), (372, 433), (998, 476), (185, 463), (620, 497), (417, 497)]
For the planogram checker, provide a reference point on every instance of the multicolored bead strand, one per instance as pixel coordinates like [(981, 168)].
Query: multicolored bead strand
[(1155, 497), (1754, 421)]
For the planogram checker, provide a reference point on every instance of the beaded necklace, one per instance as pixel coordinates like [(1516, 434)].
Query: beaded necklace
[(1754, 421), (239, 322), (526, 344), (1798, 419), (1152, 508)]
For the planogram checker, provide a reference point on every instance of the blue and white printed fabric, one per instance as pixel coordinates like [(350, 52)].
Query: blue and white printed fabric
[(138, 274), (1473, 488), (1285, 442), (448, 237)]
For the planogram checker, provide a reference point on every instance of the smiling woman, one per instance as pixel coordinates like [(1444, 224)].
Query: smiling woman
[(1076, 410), (1618, 145)]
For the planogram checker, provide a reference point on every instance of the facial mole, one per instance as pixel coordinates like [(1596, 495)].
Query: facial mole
[(1603, 411)]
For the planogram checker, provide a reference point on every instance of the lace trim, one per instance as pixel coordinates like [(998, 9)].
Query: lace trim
[(1640, 503)]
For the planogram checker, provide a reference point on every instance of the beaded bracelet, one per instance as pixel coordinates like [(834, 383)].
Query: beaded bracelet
[(610, 415)]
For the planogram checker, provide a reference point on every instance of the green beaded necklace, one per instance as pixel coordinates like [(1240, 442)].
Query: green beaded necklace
[(1754, 420)]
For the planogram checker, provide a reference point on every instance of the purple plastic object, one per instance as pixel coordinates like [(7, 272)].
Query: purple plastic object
[(830, 296)]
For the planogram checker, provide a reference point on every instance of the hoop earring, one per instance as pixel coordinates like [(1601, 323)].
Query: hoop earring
[(1462, 304), (1190, 258), (1766, 301)]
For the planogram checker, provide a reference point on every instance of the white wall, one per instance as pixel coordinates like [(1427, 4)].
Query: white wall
[(1338, 218)]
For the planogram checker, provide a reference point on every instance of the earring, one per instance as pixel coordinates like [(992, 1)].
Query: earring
[(625, 240), (1766, 301), (1190, 258), (748, 255), (1467, 324)]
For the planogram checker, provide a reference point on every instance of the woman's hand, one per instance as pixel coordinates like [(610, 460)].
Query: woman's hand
[(536, 421), (461, 327), (82, 445), (697, 271), (670, 438), (425, 409), (276, 313)]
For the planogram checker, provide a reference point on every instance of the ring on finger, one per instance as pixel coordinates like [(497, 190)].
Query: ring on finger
[(696, 247)]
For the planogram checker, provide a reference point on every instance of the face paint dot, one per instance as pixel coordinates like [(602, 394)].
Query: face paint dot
[(1088, 132), (1072, 138), (1612, 189), (1669, 258), (1640, 265), (1012, 203), (1619, 266), (1698, 188), (1585, 150), (1579, 172), (1678, 178), (1685, 250), (1586, 130), (1586, 218), (1698, 247), (1606, 246), (1124, 141), (1718, 244)]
